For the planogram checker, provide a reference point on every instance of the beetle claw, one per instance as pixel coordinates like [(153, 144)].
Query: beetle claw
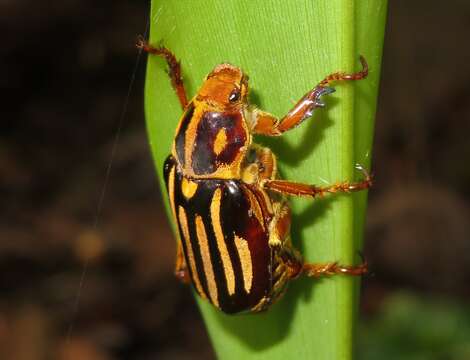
[(326, 90), (362, 169)]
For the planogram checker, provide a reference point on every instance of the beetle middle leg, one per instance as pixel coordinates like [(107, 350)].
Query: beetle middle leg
[(174, 68), (297, 189), (264, 123)]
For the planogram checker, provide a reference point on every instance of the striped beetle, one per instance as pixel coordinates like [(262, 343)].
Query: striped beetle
[(230, 207)]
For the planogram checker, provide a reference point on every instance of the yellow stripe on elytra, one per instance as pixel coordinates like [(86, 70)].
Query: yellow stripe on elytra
[(220, 141), (188, 188), (219, 236), (245, 258), (190, 138), (206, 260), (192, 263)]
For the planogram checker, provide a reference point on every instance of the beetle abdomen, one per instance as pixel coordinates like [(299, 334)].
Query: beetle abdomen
[(225, 241)]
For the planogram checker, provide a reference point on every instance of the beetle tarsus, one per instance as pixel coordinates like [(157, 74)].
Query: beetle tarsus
[(299, 189), (334, 268), (342, 76)]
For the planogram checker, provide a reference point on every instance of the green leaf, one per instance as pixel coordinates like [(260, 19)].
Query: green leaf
[(285, 47)]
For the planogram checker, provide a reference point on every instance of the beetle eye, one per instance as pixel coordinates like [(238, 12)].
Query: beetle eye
[(234, 95)]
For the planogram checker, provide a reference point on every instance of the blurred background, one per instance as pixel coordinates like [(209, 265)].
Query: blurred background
[(66, 69)]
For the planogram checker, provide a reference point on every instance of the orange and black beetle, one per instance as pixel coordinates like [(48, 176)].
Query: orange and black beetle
[(233, 219)]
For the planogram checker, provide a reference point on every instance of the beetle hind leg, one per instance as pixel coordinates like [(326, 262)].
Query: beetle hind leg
[(289, 263), (297, 267), (333, 268)]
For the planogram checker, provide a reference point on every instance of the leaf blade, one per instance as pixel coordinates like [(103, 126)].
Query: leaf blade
[(286, 48)]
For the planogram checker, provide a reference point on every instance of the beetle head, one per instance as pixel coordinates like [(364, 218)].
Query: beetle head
[(225, 86)]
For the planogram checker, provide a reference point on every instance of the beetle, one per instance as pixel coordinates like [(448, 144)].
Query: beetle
[(227, 200)]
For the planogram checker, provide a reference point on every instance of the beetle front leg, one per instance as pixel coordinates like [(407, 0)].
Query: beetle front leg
[(264, 123), (298, 189), (174, 68)]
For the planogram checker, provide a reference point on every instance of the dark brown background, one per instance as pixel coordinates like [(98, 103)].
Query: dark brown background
[(66, 67)]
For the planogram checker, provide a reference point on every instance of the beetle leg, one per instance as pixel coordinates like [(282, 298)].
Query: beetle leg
[(267, 164), (340, 76), (260, 163), (279, 227), (298, 189), (333, 268), (264, 123), (174, 68), (181, 270), (297, 267)]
